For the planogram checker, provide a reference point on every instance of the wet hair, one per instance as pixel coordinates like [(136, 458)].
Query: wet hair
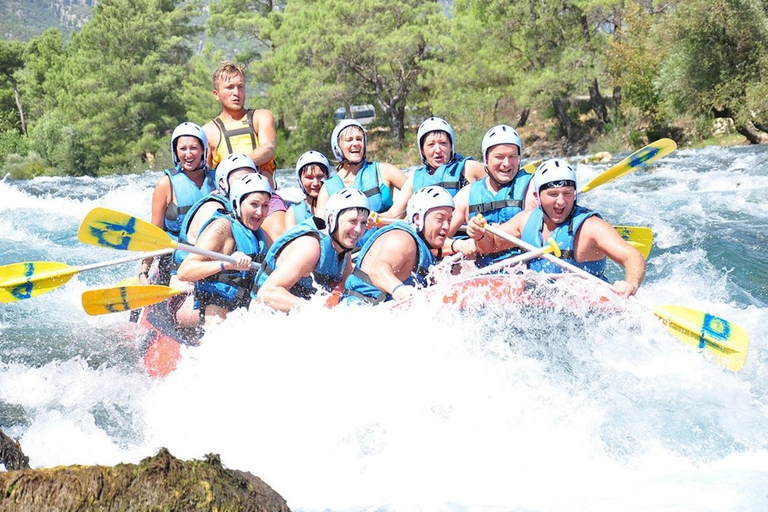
[(227, 69)]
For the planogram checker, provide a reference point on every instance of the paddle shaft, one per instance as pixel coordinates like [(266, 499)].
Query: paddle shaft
[(211, 254), (135, 257)]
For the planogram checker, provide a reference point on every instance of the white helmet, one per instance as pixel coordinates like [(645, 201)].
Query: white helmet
[(245, 185), (232, 163), (434, 124), (344, 124), (342, 200), (311, 157), (554, 173), (192, 130), (501, 134), (424, 200)]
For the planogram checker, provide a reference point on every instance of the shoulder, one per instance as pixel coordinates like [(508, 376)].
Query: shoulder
[(211, 130), (462, 196), (263, 116)]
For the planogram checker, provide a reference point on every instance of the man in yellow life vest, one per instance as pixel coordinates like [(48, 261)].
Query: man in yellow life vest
[(243, 130)]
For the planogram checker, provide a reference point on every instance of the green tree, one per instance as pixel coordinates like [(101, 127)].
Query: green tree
[(333, 53), (122, 79), (11, 61), (244, 20), (43, 60), (717, 60), (541, 53)]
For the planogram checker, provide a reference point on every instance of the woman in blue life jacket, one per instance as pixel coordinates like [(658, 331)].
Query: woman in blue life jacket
[(180, 188), (442, 165), (314, 253), (312, 168), (584, 238), (377, 180), (221, 287), (396, 260)]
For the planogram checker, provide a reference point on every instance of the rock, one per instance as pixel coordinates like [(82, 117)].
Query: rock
[(598, 158), (11, 455), (161, 482)]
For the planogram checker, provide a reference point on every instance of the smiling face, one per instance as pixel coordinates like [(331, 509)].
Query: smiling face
[(437, 222), (557, 203), (254, 209), (230, 92), (503, 162), (352, 144), (436, 147), (350, 227), (189, 151), (312, 176)]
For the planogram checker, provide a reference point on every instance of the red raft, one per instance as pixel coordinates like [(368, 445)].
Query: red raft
[(162, 342)]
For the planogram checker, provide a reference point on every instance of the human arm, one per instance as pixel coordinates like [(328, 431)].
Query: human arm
[(395, 178), (322, 198), (216, 237), (290, 218), (390, 261), (487, 242), (473, 170), (296, 260), (597, 238), (460, 212), (161, 198), (264, 127), (401, 200), (213, 135)]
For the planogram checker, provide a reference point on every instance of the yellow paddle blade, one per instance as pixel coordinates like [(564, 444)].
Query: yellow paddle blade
[(633, 162), (19, 281), (109, 228), (638, 237), (530, 167), (725, 341), (102, 301)]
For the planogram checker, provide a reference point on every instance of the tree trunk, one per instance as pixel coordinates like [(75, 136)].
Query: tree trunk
[(562, 115), (18, 102), (598, 102), (616, 97), (523, 117), (753, 134)]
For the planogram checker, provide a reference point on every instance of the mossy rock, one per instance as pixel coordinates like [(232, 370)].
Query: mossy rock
[(159, 483)]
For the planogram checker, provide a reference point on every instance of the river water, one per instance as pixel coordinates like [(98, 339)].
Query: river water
[(493, 408)]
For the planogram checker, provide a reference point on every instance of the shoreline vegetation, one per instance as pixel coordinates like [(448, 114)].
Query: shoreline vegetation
[(574, 77)]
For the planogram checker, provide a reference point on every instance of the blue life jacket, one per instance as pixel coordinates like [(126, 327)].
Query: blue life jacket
[(226, 207), (368, 181), (503, 205), (359, 285), (231, 289), (327, 272), (564, 235), (301, 211), (449, 175), (187, 194)]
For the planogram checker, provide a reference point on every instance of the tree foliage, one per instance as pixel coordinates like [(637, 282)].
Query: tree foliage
[(717, 56), (121, 86), (334, 52)]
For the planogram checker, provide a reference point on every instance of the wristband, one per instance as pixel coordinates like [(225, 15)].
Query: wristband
[(222, 266), (396, 287), (452, 249), (144, 273)]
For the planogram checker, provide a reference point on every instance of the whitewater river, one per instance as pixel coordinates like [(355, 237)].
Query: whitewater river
[(491, 409)]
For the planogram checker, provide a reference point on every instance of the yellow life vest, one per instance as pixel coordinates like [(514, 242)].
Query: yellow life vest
[(239, 137)]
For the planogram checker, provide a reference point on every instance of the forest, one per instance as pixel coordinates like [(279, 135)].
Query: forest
[(618, 73)]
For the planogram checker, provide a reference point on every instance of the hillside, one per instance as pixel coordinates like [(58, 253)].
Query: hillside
[(20, 20)]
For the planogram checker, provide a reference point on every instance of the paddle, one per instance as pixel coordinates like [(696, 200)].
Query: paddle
[(726, 341), (552, 247), (20, 281), (633, 162), (641, 238), (110, 228), (101, 301)]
